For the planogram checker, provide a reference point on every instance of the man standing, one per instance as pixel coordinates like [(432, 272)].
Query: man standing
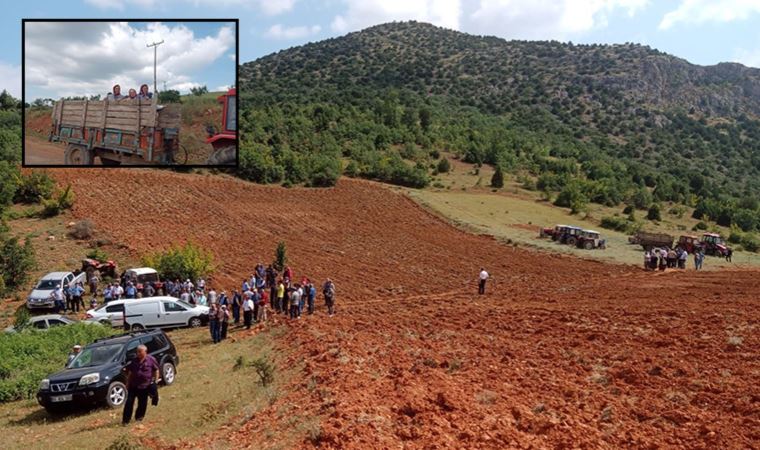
[(247, 312), (312, 295), (142, 372), (94, 280), (483, 277), (213, 322), (77, 292), (295, 302), (57, 296), (328, 290), (236, 303)]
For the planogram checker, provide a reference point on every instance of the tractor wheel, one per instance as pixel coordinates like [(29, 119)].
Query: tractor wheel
[(224, 156), (588, 245), (572, 241), (78, 155)]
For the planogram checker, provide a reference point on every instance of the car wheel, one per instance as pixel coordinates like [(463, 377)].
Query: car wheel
[(117, 393), (137, 327), (168, 372), (195, 322)]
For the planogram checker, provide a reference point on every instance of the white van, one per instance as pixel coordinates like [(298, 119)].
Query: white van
[(162, 312)]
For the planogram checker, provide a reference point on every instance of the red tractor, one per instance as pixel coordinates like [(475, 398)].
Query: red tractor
[(714, 245), (225, 141), (689, 243), (551, 232)]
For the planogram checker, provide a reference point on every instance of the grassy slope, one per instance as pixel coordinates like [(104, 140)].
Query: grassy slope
[(516, 214), (207, 394)]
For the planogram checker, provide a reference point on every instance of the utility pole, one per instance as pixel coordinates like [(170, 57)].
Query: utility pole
[(155, 48)]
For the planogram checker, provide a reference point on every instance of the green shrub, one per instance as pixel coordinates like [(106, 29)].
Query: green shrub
[(8, 178), (16, 260), (444, 166), (264, 369), (34, 187), (497, 180), (97, 254), (615, 223), (654, 212), (700, 226), (750, 242), (60, 201), (280, 257), (31, 355), (169, 96), (188, 261), (572, 197)]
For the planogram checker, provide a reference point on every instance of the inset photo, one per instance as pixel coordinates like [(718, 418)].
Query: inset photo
[(130, 93)]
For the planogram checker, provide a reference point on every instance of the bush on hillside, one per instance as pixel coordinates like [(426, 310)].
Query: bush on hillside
[(497, 180), (188, 261), (33, 187), (615, 223), (654, 212), (169, 96), (60, 201), (83, 229), (444, 166), (280, 257), (16, 260), (31, 355)]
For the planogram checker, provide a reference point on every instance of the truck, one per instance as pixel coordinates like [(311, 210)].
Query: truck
[(136, 131), (651, 240), (40, 297), (126, 131)]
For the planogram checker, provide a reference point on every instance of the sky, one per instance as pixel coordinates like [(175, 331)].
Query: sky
[(703, 32)]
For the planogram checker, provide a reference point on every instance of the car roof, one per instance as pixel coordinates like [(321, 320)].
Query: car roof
[(55, 275), (711, 234), (591, 231), (149, 299), (123, 338), (142, 270), (48, 316)]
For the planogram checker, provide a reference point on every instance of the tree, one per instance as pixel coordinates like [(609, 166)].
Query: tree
[(444, 166), (169, 96), (426, 119), (654, 212), (280, 257), (199, 90), (497, 180)]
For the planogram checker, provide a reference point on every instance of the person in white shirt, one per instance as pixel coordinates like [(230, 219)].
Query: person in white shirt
[(247, 312), (482, 281)]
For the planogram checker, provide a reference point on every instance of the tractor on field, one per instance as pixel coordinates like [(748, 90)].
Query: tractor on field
[(224, 142), (551, 232), (569, 235), (713, 244), (690, 243), (104, 268), (590, 239)]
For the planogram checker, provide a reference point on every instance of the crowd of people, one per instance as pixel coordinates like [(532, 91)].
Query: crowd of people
[(668, 258)]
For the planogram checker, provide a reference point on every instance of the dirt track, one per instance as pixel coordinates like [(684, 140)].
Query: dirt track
[(562, 353), (39, 151)]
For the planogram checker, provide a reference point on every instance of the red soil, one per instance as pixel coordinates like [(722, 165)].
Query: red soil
[(561, 353)]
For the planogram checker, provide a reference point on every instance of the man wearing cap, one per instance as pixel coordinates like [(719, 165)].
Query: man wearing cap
[(73, 354)]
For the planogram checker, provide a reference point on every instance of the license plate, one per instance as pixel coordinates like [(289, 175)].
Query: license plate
[(61, 398)]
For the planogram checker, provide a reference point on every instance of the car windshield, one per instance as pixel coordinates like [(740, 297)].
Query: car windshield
[(95, 356), (185, 304), (48, 284), (148, 277)]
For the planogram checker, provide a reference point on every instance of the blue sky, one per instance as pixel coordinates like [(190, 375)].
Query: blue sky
[(701, 31)]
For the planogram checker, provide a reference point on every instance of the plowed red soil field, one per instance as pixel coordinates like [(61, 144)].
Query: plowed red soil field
[(560, 353)]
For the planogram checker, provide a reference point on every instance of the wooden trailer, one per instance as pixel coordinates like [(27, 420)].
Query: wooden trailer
[(128, 131)]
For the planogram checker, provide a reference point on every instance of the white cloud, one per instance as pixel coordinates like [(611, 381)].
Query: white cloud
[(279, 31), (224, 88), (10, 79), (232, 57), (92, 56), (546, 19), (700, 11), (363, 13), (268, 7)]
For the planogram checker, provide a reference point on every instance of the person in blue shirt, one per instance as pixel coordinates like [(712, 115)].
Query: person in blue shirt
[(76, 293), (131, 291), (312, 291)]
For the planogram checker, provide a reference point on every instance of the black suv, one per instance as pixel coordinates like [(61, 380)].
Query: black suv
[(96, 374)]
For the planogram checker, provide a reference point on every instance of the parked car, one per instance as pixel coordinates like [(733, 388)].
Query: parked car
[(96, 374), (44, 322), (40, 298), (162, 312), (141, 275), (109, 313)]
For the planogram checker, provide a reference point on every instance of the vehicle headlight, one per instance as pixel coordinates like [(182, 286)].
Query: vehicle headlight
[(44, 384), (89, 379)]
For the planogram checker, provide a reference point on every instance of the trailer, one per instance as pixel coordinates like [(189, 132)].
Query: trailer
[(651, 240), (126, 131)]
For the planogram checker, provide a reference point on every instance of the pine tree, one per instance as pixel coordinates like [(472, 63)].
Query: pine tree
[(497, 180), (280, 257)]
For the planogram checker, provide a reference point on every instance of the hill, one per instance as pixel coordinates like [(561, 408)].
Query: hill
[(610, 124)]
